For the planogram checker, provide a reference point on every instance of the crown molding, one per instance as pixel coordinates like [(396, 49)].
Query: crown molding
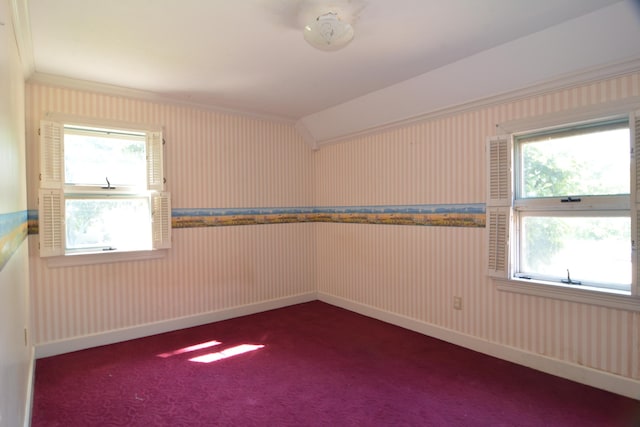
[(627, 66), (114, 90), (563, 82), (609, 110), (22, 31), (303, 131), (566, 54)]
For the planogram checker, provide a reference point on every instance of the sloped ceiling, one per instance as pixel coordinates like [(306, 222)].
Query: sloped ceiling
[(409, 58)]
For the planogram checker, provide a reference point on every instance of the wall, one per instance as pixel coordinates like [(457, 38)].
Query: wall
[(406, 274), (409, 275), (213, 160), (15, 354)]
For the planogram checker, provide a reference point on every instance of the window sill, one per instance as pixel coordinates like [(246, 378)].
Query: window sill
[(103, 258), (611, 299)]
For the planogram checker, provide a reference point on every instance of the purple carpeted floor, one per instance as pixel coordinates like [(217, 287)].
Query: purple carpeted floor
[(308, 365)]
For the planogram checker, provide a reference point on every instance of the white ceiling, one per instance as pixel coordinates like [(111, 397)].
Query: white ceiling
[(250, 56)]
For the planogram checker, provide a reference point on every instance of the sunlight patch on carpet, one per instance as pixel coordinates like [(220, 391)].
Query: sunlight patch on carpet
[(190, 348), (224, 354)]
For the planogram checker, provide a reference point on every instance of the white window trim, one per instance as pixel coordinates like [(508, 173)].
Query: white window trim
[(559, 291), (500, 206), (103, 258), (51, 194)]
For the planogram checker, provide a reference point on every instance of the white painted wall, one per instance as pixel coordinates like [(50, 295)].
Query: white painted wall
[(15, 355)]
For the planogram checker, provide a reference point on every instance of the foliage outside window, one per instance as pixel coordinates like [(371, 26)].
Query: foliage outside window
[(572, 207)]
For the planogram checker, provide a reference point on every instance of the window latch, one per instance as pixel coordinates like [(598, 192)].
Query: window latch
[(569, 281), (108, 187), (571, 200)]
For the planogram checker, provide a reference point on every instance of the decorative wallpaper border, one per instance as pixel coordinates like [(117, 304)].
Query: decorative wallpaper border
[(32, 221), (13, 231), (453, 215), (458, 215)]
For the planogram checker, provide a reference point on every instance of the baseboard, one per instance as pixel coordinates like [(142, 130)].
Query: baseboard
[(28, 405), (95, 340), (581, 374)]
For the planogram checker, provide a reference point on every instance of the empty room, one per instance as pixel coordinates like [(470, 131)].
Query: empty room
[(309, 212)]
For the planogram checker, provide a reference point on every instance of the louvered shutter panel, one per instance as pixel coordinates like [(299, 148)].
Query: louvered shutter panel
[(634, 125), (51, 222), (498, 220), (498, 208), (499, 168), (51, 154), (635, 221), (161, 220), (155, 176)]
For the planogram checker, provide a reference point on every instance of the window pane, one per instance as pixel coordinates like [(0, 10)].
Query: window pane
[(588, 162), (90, 157), (593, 249), (119, 223)]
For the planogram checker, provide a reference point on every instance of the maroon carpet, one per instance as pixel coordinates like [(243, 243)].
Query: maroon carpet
[(308, 365)]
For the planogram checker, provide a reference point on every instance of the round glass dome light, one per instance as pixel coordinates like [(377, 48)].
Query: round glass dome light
[(328, 32)]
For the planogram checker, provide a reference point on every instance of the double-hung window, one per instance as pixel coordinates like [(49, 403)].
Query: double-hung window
[(561, 207), (101, 189)]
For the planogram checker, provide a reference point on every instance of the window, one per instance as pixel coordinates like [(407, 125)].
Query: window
[(561, 207), (101, 190)]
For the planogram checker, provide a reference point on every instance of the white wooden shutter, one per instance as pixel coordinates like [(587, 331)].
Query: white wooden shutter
[(634, 126), (499, 205), (498, 221), (635, 257), (51, 154), (51, 222), (499, 171), (155, 175), (161, 220)]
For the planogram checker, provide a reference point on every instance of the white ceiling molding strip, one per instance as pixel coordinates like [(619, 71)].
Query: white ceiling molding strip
[(306, 135), (107, 89), (461, 86), (511, 69), (22, 30), (575, 79)]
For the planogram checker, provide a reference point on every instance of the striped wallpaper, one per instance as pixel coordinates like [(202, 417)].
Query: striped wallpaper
[(416, 272), (304, 212), (212, 160)]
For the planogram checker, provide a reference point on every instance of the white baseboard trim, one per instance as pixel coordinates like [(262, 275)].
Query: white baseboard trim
[(28, 405), (110, 337), (581, 374)]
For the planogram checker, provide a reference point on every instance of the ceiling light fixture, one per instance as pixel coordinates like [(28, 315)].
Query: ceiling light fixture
[(328, 32)]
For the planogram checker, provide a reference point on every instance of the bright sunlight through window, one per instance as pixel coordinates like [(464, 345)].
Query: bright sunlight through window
[(572, 206), (101, 190)]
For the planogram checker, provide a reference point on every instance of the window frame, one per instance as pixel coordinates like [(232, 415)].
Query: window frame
[(53, 192), (518, 271), (599, 205), (501, 205)]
